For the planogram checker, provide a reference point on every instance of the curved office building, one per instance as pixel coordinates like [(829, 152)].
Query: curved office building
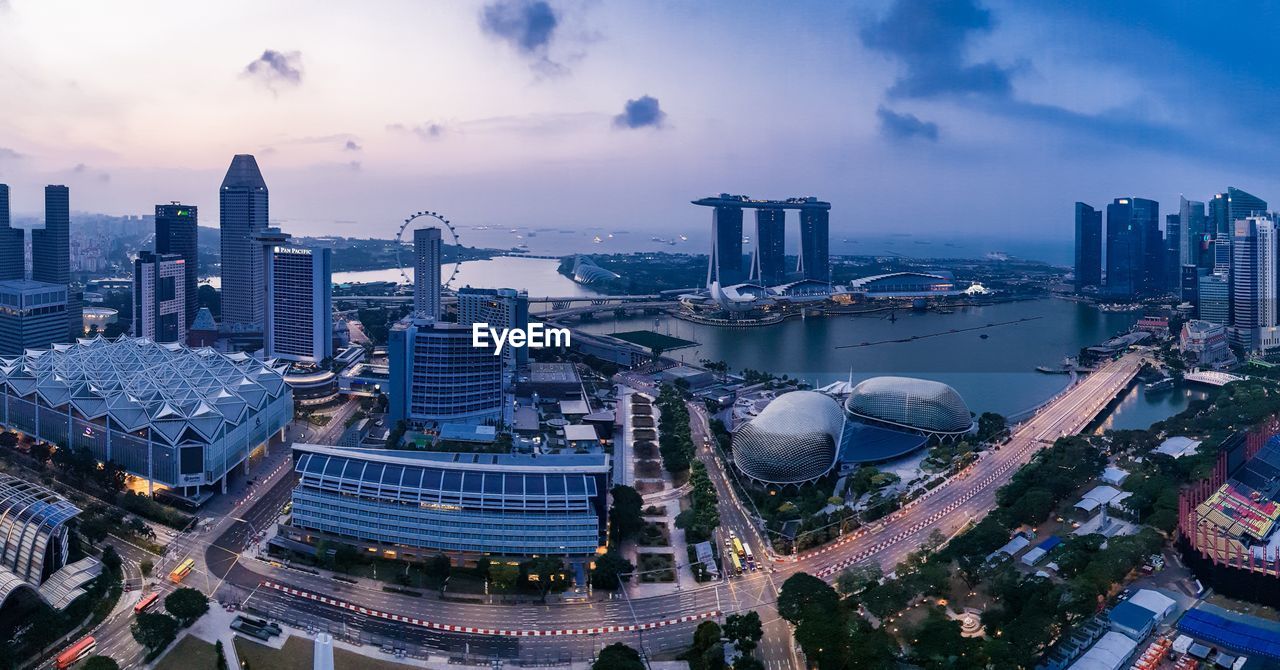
[(414, 504), (34, 542), (930, 407), (794, 440)]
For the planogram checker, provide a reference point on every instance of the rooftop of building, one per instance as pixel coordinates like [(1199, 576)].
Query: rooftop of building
[(29, 285), (730, 200), (139, 383), (467, 461), (544, 373)]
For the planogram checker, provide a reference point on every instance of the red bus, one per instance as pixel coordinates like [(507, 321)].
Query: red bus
[(146, 602), (75, 652)]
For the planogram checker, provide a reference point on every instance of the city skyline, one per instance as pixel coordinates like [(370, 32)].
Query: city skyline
[(990, 94)]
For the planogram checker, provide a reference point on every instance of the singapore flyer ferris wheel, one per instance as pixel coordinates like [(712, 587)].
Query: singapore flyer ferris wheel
[(404, 244)]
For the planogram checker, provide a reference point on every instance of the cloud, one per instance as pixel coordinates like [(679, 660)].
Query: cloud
[(354, 166), (276, 68), (351, 145), (426, 131), (528, 26), (9, 154), (82, 169), (929, 38), (642, 112), (905, 126)]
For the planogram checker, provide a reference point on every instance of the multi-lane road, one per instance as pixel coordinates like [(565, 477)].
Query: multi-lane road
[(658, 624)]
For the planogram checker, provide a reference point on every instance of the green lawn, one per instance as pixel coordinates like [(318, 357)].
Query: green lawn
[(190, 652), (649, 339), (298, 653)]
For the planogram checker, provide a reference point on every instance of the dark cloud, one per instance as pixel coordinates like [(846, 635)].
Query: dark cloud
[(527, 25), (276, 68), (351, 145), (642, 112), (929, 38), (905, 126), (9, 154), (427, 131)]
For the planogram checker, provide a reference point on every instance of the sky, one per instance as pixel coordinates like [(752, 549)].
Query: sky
[(950, 118)]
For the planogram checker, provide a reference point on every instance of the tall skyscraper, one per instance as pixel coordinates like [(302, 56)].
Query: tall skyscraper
[(1221, 263), (768, 262), (242, 212), (815, 242), (500, 308), (299, 324), (1172, 252), (1135, 250), (51, 245), (427, 257), (177, 233), (1088, 268), (1253, 285), (12, 242), (439, 378), (1195, 235), (725, 266), (160, 297), (1189, 283), (1234, 205)]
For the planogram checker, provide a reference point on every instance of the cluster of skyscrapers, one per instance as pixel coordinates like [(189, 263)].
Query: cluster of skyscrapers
[(42, 309), (1220, 259)]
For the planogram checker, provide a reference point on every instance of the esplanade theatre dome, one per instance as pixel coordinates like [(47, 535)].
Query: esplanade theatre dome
[(795, 439), (915, 404)]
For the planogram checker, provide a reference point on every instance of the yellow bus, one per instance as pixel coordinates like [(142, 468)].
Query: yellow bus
[(737, 564), (737, 547), (183, 569)]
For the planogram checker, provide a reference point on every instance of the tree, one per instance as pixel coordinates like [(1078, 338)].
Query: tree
[(824, 636), (503, 577), (745, 630), (146, 566), (438, 567), (187, 605), (208, 296), (626, 517), (8, 440), (40, 451), (803, 591), (221, 663), (345, 557), (154, 631), (112, 477), (545, 570), (618, 656), (991, 426), (111, 561), (611, 569), (706, 634), (100, 663), (858, 578)]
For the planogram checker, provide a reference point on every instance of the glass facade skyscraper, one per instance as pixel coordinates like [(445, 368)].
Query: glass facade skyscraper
[(725, 267), (1253, 284), (12, 242), (51, 245), (1088, 268), (815, 254), (438, 377), (242, 212), (177, 233), (1194, 242), (768, 266), (1135, 249)]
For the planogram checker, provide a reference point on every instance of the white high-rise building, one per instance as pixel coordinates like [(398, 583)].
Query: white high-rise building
[(501, 308), (160, 297), (426, 272), (1253, 285), (299, 304)]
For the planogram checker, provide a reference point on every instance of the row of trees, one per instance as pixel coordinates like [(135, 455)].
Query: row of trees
[(675, 441), (703, 515), (156, 630), (740, 634)]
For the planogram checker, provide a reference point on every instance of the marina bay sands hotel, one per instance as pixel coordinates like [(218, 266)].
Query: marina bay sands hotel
[(767, 265)]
